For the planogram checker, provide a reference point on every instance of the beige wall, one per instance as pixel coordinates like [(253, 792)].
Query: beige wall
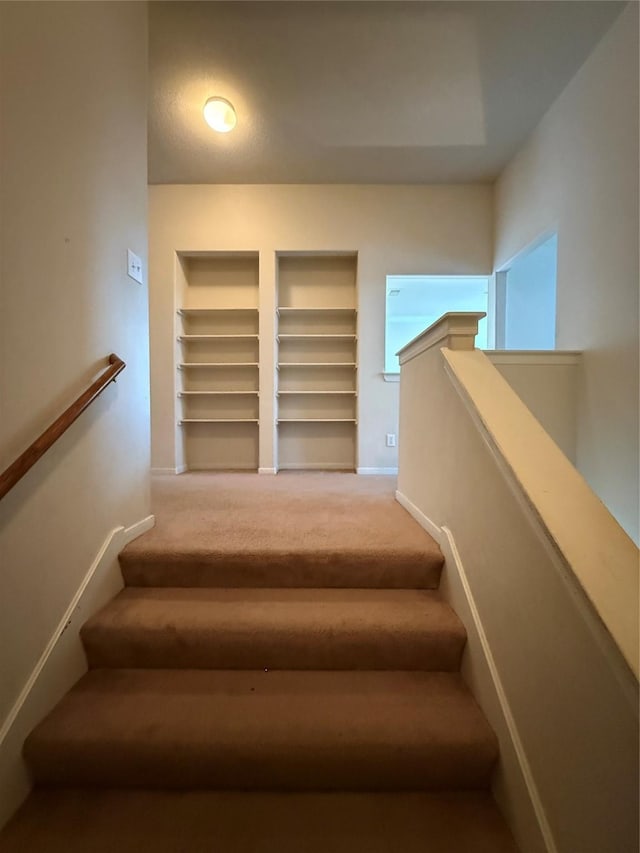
[(547, 383), (578, 174), (571, 697), (73, 198), (394, 229)]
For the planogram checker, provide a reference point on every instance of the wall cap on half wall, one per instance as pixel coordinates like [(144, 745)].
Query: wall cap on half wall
[(456, 330), (580, 529)]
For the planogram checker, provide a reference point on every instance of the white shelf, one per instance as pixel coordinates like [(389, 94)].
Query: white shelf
[(187, 312), (289, 310), (217, 421), (213, 393), (286, 337), (351, 364), (188, 338), (317, 393), (189, 364), (316, 421)]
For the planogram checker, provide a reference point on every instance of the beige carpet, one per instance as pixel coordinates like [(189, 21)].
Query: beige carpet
[(280, 674), (85, 821), (278, 730), (331, 629), (288, 512), (311, 530)]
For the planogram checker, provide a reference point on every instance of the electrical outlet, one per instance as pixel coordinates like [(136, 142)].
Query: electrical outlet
[(134, 266), (391, 439)]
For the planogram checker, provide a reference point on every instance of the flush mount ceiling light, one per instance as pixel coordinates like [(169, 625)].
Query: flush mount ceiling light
[(220, 114)]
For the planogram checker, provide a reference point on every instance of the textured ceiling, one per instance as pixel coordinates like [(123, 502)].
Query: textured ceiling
[(358, 92)]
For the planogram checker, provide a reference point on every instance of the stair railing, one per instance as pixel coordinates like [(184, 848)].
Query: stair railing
[(14, 473)]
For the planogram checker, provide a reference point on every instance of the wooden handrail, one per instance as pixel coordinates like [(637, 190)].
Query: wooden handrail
[(26, 460)]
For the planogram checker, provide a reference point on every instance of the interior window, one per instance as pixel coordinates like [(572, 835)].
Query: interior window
[(414, 302)]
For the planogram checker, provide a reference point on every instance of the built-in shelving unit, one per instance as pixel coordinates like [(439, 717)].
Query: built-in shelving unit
[(317, 361), (218, 361)]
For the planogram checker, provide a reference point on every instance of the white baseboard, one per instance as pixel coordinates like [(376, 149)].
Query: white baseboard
[(424, 522), (217, 469), (137, 529), (514, 786), (179, 470), (387, 471), (315, 466), (61, 664), (267, 470)]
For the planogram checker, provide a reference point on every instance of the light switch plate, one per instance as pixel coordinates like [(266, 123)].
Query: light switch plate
[(134, 266)]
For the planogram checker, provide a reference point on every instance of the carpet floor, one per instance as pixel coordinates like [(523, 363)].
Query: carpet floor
[(298, 530), (279, 674)]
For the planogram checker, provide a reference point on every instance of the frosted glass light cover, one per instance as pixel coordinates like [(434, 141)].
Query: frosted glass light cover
[(220, 115)]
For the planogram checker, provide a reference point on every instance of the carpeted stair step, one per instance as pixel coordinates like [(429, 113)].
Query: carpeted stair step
[(104, 821), (275, 628), (397, 567), (311, 529), (265, 730)]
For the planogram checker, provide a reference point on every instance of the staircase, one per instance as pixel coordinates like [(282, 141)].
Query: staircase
[(314, 697)]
